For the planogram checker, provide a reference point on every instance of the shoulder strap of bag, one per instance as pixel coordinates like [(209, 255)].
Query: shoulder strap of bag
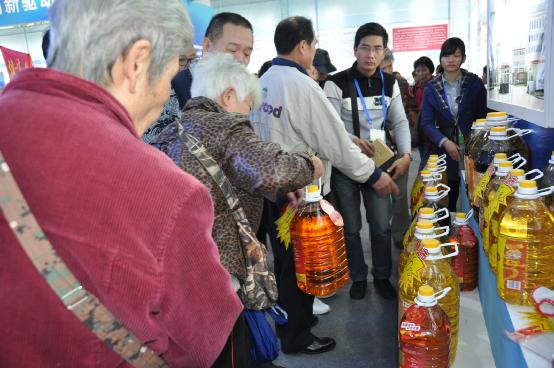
[(201, 153), (82, 303), (353, 102)]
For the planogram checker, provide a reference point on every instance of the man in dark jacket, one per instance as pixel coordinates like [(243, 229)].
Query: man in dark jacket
[(452, 101)]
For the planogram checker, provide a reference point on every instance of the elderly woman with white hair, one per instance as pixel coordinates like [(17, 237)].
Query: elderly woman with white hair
[(223, 93)]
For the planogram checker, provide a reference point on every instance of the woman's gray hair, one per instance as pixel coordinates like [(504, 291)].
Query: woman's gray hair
[(88, 36), (216, 72), (388, 56)]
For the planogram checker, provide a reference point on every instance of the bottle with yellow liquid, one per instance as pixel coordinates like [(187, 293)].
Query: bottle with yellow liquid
[(547, 181), (425, 333), (425, 178), (525, 245), (425, 213), (428, 266), (320, 258), (478, 132), (502, 199), (424, 230), (501, 119), (432, 198), (499, 176)]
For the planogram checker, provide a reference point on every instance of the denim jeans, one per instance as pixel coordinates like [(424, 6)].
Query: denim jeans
[(378, 215)]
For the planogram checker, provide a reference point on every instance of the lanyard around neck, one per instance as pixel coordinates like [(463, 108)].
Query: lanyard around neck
[(448, 102), (383, 101)]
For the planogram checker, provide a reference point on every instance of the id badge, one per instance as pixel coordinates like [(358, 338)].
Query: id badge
[(377, 134)]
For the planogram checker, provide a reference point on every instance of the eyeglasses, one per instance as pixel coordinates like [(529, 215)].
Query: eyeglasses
[(369, 49), (185, 62)]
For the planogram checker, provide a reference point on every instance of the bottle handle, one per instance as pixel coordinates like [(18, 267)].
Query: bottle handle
[(519, 132), (539, 173), (469, 214), (441, 169), (517, 158), (443, 193), (445, 232), (441, 294), (434, 177), (441, 162), (445, 214), (546, 191), (442, 157), (449, 255)]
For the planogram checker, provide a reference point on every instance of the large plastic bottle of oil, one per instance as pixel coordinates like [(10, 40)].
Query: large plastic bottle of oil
[(424, 230), (432, 198), (502, 199), (317, 236), (547, 181), (480, 188), (501, 119), (466, 262), (526, 245), (478, 131), (428, 266), (425, 333), (489, 242), (425, 178), (425, 213)]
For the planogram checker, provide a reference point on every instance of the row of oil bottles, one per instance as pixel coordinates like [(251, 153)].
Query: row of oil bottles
[(443, 256)]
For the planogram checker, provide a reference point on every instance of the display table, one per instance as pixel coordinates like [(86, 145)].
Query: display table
[(500, 317)]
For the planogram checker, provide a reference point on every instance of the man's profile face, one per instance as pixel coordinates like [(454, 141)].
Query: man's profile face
[(235, 40)]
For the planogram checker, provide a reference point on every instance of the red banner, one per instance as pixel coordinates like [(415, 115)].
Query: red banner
[(419, 38), (15, 60)]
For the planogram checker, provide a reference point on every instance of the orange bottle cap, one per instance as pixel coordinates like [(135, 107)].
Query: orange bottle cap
[(529, 184), (424, 224), (497, 114), (478, 121), (432, 165), (500, 156), (313, 188), (425, 172), (517, 172), (431, 190), (430, 243), (505, 164), (461, 215), (426, 290), (426, 211), (498, 129)]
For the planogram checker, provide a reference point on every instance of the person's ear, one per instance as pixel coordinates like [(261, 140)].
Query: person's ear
[(136, 63), (228, 98), (463, 59), (206, 45)]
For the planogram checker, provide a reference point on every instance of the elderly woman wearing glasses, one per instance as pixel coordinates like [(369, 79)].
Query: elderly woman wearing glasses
[(223, 93)]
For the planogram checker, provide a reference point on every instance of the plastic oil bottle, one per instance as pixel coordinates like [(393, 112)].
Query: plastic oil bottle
[(425, 178), (432, 198), (424, 230), (425, 213), (501, 119), (319, 249), (465, 264), (548, 181), (476, 138), (428, 266), (496, 207), (526, 245), (425, 333)]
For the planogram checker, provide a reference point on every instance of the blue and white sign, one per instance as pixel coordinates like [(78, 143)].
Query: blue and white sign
[(23, 11)]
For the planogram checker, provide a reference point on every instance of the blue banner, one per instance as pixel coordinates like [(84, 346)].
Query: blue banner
[(23, 11)]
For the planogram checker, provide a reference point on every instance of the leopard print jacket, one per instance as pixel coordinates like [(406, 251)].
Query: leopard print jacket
[(255, 168)]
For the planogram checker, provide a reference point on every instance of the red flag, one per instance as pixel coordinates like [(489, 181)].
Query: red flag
[(15, 60)]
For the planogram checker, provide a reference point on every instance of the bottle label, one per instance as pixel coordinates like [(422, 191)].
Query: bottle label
[(485, 236), (507, 188), (482, 186), (333, 214), (477, 176), (411, 272), (416, 190), (514, 263), (283, 226), (409, 326), (418, 205), (493, 243), (409, 233), (301, 278)]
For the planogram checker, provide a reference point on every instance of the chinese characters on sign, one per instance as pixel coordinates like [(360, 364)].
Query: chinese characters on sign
[(23, 11), (15, 60), (419, 38)]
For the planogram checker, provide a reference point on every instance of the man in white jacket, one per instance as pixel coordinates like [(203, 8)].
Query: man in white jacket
[(296, 114)]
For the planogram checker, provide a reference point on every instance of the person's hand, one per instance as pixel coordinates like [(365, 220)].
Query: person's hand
[(385, 185), (452, 149), (295, 198), (318, 167), (399, 167), (366, 147)]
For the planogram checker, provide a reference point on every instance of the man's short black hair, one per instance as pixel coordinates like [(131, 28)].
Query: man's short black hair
[(290, 32), (371, 29), (450, 46), (426, 62), (215, 28)]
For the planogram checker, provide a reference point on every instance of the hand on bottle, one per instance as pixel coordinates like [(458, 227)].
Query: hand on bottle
[(385, 185), (366, 147), (452, 149), (295, 198)]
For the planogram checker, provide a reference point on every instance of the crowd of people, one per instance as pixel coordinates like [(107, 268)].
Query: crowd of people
[(158, 177)]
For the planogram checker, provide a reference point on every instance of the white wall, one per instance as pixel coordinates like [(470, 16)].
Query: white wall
[(337, 21)]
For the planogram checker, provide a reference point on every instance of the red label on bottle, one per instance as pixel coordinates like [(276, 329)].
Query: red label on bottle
[(515, 262)]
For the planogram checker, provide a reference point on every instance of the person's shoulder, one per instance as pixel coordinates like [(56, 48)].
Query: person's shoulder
[(340, 78)]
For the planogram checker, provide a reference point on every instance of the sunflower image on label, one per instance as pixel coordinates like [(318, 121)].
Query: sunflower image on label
[(411, 271), (482, 186), (411, 230), (507, 188)]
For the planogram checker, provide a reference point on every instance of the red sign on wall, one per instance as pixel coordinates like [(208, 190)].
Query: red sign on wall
[(419, 38)]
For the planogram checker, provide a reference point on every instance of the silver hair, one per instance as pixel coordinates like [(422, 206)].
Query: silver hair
[(216, 72), (88, 36), (388, 56)]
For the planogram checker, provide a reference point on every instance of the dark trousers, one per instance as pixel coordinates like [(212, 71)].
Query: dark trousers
[(236, 352), (295, 335)]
